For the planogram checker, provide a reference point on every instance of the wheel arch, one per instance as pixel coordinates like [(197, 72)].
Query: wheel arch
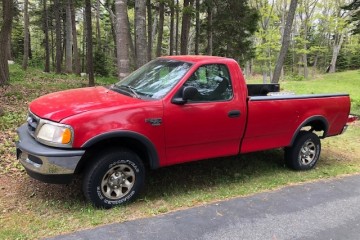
[(316, 123), (133, 141)]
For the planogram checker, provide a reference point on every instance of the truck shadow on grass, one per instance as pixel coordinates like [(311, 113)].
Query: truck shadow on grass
[(212, 179), (182, 184)]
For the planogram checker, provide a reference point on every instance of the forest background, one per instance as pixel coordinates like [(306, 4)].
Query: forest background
[(114, 37)]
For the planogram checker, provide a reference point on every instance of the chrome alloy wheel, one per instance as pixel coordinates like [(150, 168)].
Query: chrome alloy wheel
[(307, 152), (118, 181)]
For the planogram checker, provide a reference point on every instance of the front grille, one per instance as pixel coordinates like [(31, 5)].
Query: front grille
[(33, 122)]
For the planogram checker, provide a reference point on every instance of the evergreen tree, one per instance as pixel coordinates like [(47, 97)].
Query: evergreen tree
[(234, 23), (355, 16)]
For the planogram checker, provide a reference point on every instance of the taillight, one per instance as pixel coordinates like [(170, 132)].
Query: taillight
[(352, 118)]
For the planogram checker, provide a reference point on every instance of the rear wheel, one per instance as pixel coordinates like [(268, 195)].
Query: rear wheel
[(304, 153), (116, 178)]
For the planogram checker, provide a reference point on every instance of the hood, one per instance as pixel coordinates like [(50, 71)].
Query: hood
[(59, 105)]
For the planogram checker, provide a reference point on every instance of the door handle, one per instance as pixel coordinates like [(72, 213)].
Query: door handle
[(234, 114)]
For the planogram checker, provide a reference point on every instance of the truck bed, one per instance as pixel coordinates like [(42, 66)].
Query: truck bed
[(274, 120)]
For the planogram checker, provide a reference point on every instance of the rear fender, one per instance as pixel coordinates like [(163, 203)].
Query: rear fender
[(319, 123)]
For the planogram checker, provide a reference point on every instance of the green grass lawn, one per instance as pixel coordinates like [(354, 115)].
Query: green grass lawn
[(343, 82), (30, 209)]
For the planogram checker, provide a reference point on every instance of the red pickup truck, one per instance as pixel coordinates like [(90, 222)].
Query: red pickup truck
[(172, 110)]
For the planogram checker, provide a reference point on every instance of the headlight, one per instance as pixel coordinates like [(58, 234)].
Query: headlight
[(55, 134)]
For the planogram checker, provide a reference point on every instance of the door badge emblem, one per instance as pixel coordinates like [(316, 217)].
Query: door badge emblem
[(154, 121)]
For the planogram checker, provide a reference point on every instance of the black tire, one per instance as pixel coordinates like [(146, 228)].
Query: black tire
[(304, 153), (115, 178)]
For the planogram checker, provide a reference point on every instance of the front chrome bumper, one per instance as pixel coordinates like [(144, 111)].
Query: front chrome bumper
[(47, 164)]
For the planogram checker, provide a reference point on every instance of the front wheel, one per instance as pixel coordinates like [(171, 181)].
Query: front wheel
[(304, 153), (116, 178)]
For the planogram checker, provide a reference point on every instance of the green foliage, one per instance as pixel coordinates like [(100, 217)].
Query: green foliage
[(234, 24), (355, 17), (9, 120), (295, 77), (100, 64), (349, 57), (16, 73)]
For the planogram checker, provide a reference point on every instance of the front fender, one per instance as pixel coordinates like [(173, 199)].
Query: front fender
[(150, 148)]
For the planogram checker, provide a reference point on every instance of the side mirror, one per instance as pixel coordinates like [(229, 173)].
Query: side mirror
[(188, 93)]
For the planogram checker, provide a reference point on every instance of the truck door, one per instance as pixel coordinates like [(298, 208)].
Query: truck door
[(209, 125)]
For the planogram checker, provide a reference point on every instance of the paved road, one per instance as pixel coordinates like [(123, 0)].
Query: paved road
[(322, 210)]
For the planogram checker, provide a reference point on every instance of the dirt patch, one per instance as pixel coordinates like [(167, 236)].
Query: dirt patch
[(19, 192), (16, 188)]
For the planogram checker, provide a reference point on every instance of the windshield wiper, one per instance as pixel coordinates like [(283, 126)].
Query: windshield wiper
[(132, 90)]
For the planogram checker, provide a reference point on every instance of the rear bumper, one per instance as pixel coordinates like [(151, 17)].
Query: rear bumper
[(344, 129), (47, 164), (351, 119)]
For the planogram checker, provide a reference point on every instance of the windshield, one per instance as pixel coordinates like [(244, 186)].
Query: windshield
[(155, 79)]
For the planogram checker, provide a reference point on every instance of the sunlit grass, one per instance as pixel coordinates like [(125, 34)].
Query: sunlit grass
[(341, 82)]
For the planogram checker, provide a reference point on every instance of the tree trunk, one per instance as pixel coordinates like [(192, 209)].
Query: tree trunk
[(177, 28), (131, 44), (264, 76), (98, 31), (209, 29), (68, 39), (7, 7), (197, 26), (304, 56), (76, 55), (247, 70), (172, 26), (26, 35), (84, 44), (9, 51), (160, 29), (285, 42), (185, 28), (58, 57), (89, 43), (154, 26), (150, 39), (315, 65), (337, 46), (140, 33), (122, 43), (110, 8), (46, 33)]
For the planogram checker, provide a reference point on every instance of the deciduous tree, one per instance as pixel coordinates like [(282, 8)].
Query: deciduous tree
[(140, 33), (285, 41), (46, 35), (89, 44), (58, 42), (26, 35), (122, 43), (68, 39), (185, 26), (160, 28)]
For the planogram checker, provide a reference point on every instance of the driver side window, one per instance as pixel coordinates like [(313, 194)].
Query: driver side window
[(212, 82)]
